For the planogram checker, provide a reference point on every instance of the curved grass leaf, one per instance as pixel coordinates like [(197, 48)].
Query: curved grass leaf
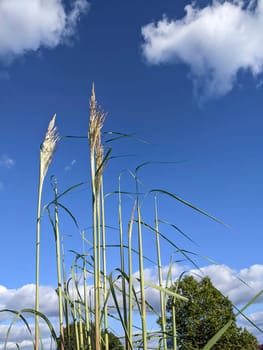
[(169, 194), (71, 188), (182, 251), (154, 163), (121, 135), (166, 291), (19, 314), (105, 159), (115, 299), (179, 230)]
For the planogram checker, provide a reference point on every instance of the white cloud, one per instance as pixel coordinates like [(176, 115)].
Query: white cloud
[(256, 318), (23, 297), (6, 161), (216, 42), (20, 335), (28, 25), (227, 280), (240, 286)]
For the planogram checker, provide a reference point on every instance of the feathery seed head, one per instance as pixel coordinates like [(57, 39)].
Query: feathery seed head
[(97, 117), (48, 146)]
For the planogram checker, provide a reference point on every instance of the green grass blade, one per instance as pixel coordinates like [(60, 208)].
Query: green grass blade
[(169, 194)]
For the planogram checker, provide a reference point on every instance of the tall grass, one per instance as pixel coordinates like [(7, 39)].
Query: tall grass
[(46, 154), (90, 298)]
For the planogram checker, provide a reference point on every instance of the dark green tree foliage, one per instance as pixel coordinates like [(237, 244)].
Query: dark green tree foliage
[(70, 341), (206, 312)]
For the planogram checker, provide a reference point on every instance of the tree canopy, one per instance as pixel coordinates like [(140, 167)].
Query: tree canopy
[(202, 316), (70, 341)]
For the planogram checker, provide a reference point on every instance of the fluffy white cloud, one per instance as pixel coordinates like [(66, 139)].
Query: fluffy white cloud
[(240, 286), (20, 335), (28, 25), (216, 42), (23, 297)]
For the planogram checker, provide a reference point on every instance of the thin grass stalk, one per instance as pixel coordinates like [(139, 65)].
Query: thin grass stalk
[(96, 122), (94, 218), (162, 297), (76, 325), (58, 262), (98, 181), (174, 327), (74, 291), (141, 271), (81, 339), (47, 150), (104, 257), (40, 189), (95, 272), (123, 283), (86, 306), (66, 304), (98, 229), (130, 328)]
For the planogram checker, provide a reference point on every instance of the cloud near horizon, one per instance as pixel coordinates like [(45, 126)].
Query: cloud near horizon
[(239, 286), (29, 25), (227, 280), (215, 42)]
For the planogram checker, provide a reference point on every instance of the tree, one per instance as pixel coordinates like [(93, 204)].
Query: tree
[(70, 341), (206, 312)]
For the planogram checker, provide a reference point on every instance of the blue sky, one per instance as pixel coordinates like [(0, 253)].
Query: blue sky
[(185, 78)]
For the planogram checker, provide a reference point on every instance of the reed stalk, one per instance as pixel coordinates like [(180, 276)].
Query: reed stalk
[(122, 260), (174, 328), (96, 165), (141, 270), (66, 303), (75, 322), (104, 257), (130, 313), (81, 338), (47, 150), (59, 278), (86, 306), (160, 278)]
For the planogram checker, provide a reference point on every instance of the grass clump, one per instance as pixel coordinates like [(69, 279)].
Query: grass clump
[(92, 301)]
